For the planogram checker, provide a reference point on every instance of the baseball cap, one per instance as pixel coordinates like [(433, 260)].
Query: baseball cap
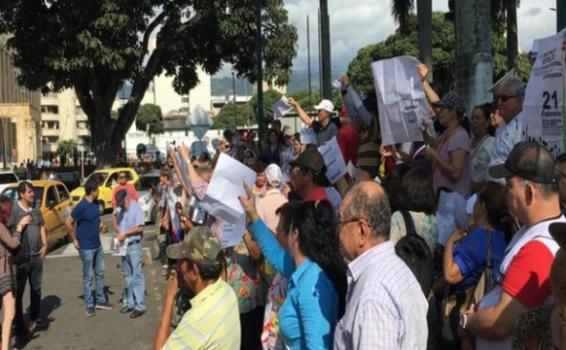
[(326, 105), (528, 160), (200, 245), (310, 159), (121, 197), (274, 175), (451, 100), (308, 137)]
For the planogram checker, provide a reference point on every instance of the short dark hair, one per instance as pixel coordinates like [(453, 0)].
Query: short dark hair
[(561, 159), (90, 186), (493, 195), (417, 193), (287, 212), (23, 187), (374, 208)]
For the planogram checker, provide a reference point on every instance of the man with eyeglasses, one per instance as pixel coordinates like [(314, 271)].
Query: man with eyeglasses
[(123, 184), (509, 99)]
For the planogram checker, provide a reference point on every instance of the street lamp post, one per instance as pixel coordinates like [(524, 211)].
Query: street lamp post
[(259, 59), (234, 93)]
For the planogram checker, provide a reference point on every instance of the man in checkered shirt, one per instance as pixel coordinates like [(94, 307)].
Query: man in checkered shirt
[(385, 306)]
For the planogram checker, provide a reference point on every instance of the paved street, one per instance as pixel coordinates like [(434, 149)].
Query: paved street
[(62, 304)]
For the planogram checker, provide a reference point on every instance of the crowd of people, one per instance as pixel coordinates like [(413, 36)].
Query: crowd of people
[(447, 243)]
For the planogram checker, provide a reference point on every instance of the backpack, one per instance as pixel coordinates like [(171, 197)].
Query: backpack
[(414, 251)]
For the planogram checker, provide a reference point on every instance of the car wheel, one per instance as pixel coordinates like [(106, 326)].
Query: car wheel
[(101, 207)]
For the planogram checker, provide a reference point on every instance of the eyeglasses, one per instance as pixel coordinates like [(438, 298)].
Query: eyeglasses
[(504, 98), (342, 223)]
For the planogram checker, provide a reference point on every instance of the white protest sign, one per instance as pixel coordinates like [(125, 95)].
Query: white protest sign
[(281, 108), (543, 106), (335, 165), (402, 104)]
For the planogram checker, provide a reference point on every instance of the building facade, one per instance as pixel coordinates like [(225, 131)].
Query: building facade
[(20, 116)]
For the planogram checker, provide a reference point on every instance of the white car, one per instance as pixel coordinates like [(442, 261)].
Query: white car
[(146, 186), (7, 178)]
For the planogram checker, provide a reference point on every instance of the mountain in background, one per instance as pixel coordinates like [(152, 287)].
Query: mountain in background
[(223, 85)]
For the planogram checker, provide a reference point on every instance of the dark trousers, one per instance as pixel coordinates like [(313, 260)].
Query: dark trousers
[(252, 325), (31, 271)]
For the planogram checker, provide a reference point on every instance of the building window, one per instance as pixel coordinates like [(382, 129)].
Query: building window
[(82, 125), (50, 109), (51, 125)]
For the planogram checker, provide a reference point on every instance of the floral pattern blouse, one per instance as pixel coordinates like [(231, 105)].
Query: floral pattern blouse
[(244, 277), (425, 225), (270, 338)]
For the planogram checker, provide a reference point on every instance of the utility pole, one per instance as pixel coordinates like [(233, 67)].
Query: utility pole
[(259, 63), (309, 62), (234, 93), (325, 50), (560, 15)]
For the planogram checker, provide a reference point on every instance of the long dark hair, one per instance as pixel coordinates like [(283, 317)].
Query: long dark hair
[(318, 240), (486, 110), (493, 195), (5, 209)]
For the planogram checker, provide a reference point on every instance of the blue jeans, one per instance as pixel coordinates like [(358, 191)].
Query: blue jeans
[(133, 274), (93, 258)]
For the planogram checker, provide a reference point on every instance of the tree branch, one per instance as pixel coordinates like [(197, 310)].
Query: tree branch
[(156, 21)]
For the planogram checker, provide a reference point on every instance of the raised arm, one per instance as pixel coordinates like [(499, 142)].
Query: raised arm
[(302, 114), (431, 95), (353, 102)]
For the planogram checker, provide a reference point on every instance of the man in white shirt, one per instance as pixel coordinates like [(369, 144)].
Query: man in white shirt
[(385, 305), (509, 97)]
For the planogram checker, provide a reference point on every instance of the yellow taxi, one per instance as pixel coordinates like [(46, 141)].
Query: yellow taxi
[(53, 200), (107, 179)]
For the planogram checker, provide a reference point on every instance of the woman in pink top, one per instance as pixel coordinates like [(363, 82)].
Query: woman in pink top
[(450, 152)]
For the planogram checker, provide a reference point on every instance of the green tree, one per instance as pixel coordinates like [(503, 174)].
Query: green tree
[(65, 149), (94, 46), (225, 118), (443, 55), (149, 118)]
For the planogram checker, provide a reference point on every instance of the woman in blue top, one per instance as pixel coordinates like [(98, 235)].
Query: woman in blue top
[(310, 259), (466, 253)]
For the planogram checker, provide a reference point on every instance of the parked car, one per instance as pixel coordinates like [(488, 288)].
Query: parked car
[(146, 187), (53, 200), (107, 179), (7, 178), (71, 179)]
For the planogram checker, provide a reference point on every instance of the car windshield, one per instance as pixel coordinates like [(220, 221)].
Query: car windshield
[(12, 193), (99, 177), (8, 178)]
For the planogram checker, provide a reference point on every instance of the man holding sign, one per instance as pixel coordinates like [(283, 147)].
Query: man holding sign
[(324, 128)]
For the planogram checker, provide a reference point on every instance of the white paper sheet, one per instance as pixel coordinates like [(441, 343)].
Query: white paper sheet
[(281, 108), (335, 165)]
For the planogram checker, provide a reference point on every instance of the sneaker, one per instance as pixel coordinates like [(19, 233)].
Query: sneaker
[(126, 309), (89, 312), (104, 306)]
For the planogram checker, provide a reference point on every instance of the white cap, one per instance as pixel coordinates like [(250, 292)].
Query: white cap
[(308, 137), (274, 175), (326, 105)]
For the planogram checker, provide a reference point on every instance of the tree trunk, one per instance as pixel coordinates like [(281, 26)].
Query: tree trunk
[(512, 36), (424, 16), (473, 51)]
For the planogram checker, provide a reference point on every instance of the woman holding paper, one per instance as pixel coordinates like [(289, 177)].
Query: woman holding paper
[(308, 256), (450, 154)]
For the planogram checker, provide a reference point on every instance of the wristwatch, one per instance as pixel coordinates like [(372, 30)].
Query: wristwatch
[(463, 321)]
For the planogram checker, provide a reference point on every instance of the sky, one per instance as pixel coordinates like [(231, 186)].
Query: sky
[(357, 23)]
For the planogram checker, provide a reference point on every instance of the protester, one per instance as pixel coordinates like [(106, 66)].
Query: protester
[(273, 148), (472, 259), (307, 175), (532, 198), (288, 154), (316, 273), (84, 224), (418, 200), (123, 184), (9, 242), (273, 198), (212, 322), (29, 260), (509, 97), (385, 307), (324, 128), (560, 165), (451, 165), (482, 144), (543, 327), (260, 186), (271, 338), (347, 138), (130, 223)]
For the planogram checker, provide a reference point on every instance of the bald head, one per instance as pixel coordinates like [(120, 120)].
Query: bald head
[(368, 200)]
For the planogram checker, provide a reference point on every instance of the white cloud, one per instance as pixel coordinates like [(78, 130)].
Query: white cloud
[(355, 24)]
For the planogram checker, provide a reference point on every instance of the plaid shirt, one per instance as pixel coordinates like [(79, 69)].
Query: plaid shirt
[(385, 306)]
